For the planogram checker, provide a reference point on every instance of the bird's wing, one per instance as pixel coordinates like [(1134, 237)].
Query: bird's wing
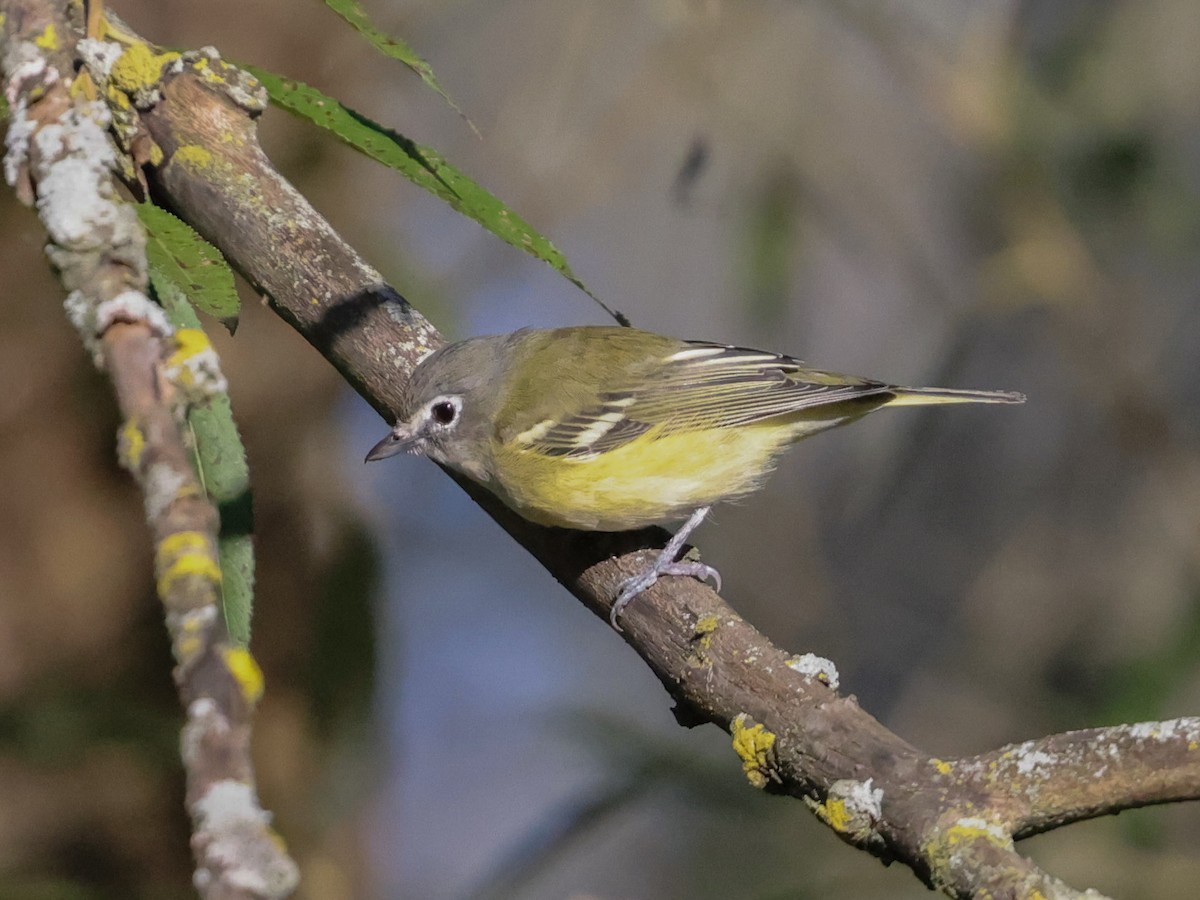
[(698, 386)]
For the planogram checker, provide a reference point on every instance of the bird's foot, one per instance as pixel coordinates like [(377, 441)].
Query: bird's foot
[(664, 565)]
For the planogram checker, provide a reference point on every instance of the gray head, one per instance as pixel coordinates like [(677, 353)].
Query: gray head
[(449, 404)]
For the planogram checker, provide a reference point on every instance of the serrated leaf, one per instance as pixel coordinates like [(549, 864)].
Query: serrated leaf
[(185, 266), (220, 460), (397, 49), (422, 166)]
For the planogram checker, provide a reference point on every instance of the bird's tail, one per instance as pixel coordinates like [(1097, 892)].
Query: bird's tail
[(906, 396)]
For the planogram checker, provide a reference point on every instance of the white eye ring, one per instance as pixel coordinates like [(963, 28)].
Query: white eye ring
[(444, 411)]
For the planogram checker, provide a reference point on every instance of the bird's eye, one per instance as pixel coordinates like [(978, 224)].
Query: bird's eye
[(443, 412)]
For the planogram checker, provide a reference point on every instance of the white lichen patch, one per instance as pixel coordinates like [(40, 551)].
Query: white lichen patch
[(204, 718), (1186, 729), (233, 838), (860, 797), (200, 375), (197, 620), (985, 828), (227, 804), (161, 488), (26, 63), (812, 666), (92, 320), (75, 193), (16, 141), (194, 367), (99, 56), (1030, 760), (81, 313), (133, 307)]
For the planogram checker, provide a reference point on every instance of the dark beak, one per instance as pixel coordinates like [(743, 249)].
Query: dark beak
[(399, 439)]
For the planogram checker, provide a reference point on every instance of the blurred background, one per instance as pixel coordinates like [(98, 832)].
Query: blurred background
[(987, 195)]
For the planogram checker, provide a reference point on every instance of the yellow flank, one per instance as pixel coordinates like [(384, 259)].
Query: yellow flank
[(655, 478), (245, 672)]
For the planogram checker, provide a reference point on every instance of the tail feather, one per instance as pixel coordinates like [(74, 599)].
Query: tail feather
[(906, 396)]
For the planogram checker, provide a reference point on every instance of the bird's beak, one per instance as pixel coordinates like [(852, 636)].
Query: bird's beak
[(401, 438)]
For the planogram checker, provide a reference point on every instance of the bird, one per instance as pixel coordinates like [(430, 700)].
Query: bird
[(608, 428)]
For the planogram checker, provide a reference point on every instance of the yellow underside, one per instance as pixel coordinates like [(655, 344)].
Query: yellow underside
[(652, 480)]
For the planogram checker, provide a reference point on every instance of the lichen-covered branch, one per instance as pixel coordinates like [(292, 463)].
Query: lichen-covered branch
[(61, 158), (1095, 772), (192, 133)]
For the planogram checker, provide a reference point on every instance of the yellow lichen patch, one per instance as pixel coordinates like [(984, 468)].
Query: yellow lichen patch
[(1192, 745), (190, 637), (754, 745), (185, 554), (193, 156), (188, 343), (139, 68), (953, 848), (970, 831), (131, 443), (187, 648), (834, 814), (48, 39), (82, 87), (943, 767), (705, 626), (245, 672), (118, 98), (702, 637)]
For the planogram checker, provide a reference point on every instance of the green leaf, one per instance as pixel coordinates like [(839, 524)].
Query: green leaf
[(220, 461), (186, 268), (420, 165), (356, 16)]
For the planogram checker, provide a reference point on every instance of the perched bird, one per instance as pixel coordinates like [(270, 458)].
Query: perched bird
[(611, 429)]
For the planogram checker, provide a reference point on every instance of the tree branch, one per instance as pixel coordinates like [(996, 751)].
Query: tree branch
[(60, 155)]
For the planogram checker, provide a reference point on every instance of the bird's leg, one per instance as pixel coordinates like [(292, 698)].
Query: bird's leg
[(665, 564)]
